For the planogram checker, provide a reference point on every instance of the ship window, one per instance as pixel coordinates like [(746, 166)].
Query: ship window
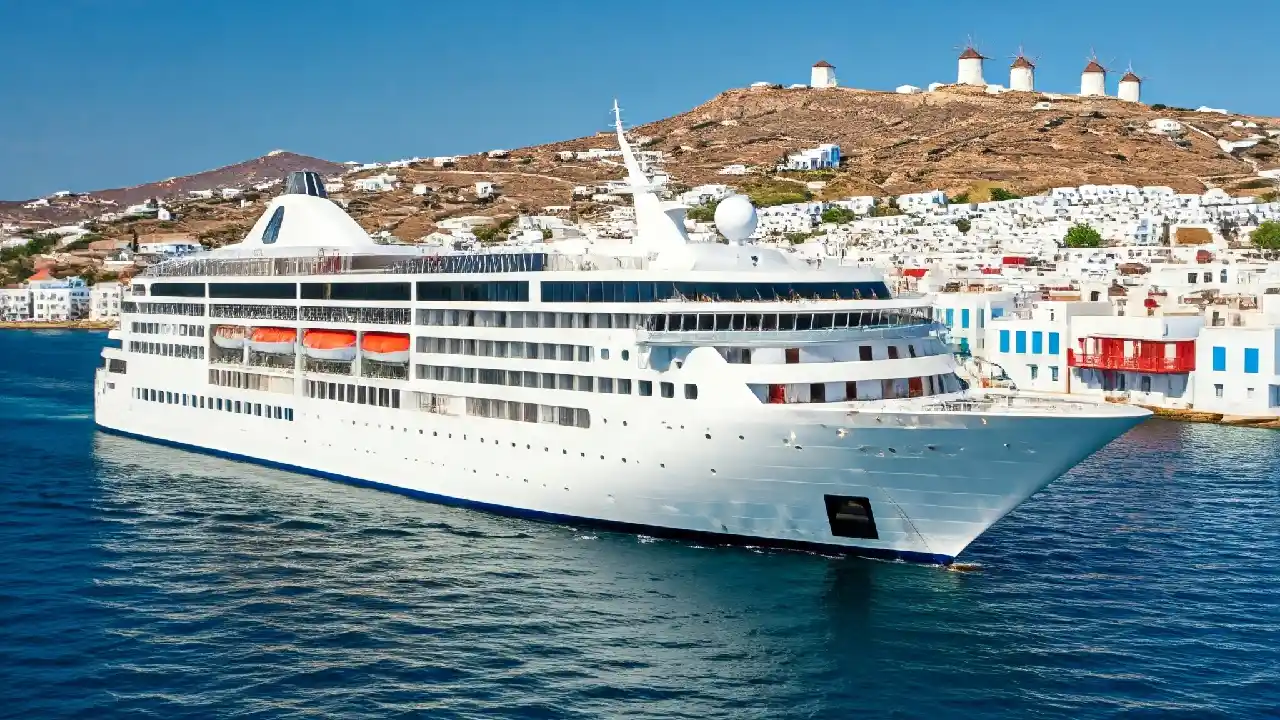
[(893, 352), (786, 322), (723, 322), (668, 389), (767, 322), (646, 388), (851, 390), (690, 391), (739, 321), (624, 386), (604, 353), (841, 320), (257, 409), (605, 385), (818, 392), (271, 232), (626, 355), (851, 517)]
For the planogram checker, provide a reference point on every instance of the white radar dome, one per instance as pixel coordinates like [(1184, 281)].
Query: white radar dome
[(736, 218)]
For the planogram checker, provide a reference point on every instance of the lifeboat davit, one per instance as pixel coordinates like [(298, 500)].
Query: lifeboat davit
[(385, 347), (330, 344), (276, 341), (229, 337)]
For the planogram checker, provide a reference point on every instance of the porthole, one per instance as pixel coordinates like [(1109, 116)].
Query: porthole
[(626, 354), (741, 438)]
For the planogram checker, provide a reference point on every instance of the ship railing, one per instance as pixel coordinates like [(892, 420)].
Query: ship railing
[(275, 361), (254, 312), (328, 367), (369, 315), (383, 370)]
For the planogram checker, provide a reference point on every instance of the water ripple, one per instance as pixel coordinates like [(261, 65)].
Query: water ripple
[(142, 581)]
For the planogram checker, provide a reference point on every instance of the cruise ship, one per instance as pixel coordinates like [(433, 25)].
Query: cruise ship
[(720, 392)]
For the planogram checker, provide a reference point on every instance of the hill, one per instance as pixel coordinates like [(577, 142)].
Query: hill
[(957, 139), (241, 175)]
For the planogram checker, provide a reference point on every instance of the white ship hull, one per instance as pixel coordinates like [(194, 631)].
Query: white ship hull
[(935, 481)]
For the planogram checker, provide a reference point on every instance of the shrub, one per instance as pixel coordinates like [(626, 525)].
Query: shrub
[(705, 212), (1082, 236), (998, 194), (838, 215), (1267, 236), (963, 225)]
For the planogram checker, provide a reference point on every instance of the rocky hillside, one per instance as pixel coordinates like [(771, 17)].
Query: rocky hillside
[(241, 175), (956, 139)]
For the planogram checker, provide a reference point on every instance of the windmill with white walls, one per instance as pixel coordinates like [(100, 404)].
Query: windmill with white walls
[(969, 71), (1093, 81), (1022, 73), (1130, 86), (822, 75)]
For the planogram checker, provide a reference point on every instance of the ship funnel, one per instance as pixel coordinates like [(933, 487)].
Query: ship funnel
[(305, 182)]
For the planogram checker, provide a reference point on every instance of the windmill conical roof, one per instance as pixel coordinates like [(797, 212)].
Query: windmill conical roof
[(1022, 62), (1094, 67), (1130, 77), (823, 63), (971, 54)]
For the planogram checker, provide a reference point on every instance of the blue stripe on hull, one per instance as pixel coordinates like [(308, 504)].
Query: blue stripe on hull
[(701, 536)]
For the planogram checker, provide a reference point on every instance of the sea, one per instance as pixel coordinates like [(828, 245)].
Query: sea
[(146, 582)]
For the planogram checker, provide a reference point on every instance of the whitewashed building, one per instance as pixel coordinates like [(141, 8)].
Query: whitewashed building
[(822, 75), (1093, 80), (104, 300), (1236, 371)]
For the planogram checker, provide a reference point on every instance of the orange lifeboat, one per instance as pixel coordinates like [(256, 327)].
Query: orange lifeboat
[(330, 344), (277, 341), (385, 347), (229, 337)]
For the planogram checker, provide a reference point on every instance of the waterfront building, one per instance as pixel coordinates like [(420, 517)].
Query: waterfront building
[(1031, 346), (104, 300), (1236, 370), (57, 299), (15, 304), (1147, 360)]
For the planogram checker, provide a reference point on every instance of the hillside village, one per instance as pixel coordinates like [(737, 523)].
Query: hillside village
[(1073, 243)]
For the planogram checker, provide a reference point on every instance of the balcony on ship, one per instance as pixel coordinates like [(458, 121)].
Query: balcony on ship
[(789, 328)]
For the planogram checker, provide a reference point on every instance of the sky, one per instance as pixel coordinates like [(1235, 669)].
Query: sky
[(107, 93)]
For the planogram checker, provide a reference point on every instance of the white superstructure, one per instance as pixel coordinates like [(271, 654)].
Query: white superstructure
[(720, 391)]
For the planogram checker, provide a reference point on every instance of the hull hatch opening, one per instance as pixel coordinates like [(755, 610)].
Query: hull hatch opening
[(851, 517)]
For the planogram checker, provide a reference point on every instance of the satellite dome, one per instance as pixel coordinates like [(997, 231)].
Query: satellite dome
[(736, 218)]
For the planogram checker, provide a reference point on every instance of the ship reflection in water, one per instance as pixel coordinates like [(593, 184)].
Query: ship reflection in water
[(244, 589)]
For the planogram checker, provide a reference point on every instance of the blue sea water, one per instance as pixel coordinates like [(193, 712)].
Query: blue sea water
[(142, 581)]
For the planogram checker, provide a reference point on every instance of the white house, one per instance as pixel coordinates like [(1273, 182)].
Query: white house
[(104, 300), (822, 157), (966, 314), (15, 304), (231, 193), (1032, 346), (484, 189), (54, 299), (1165, 126), (1144, 359), (200, 194), (1236, 371)]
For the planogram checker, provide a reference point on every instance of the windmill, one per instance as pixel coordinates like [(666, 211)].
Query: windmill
[(1130, 86), (969, 71), (1022, 73), (1093, 81)]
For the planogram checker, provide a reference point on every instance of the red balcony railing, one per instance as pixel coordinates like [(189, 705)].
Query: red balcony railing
[(1134, 364)]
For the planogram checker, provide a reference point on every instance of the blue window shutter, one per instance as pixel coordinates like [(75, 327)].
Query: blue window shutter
[(964, 318), (997, 312), (1219, 358), (1020, 341), (951, 317), (1004, 341), (1251, 360), (1054, 348), (1037, 342)]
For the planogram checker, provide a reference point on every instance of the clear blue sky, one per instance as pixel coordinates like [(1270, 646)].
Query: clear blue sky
[(105, 93)]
